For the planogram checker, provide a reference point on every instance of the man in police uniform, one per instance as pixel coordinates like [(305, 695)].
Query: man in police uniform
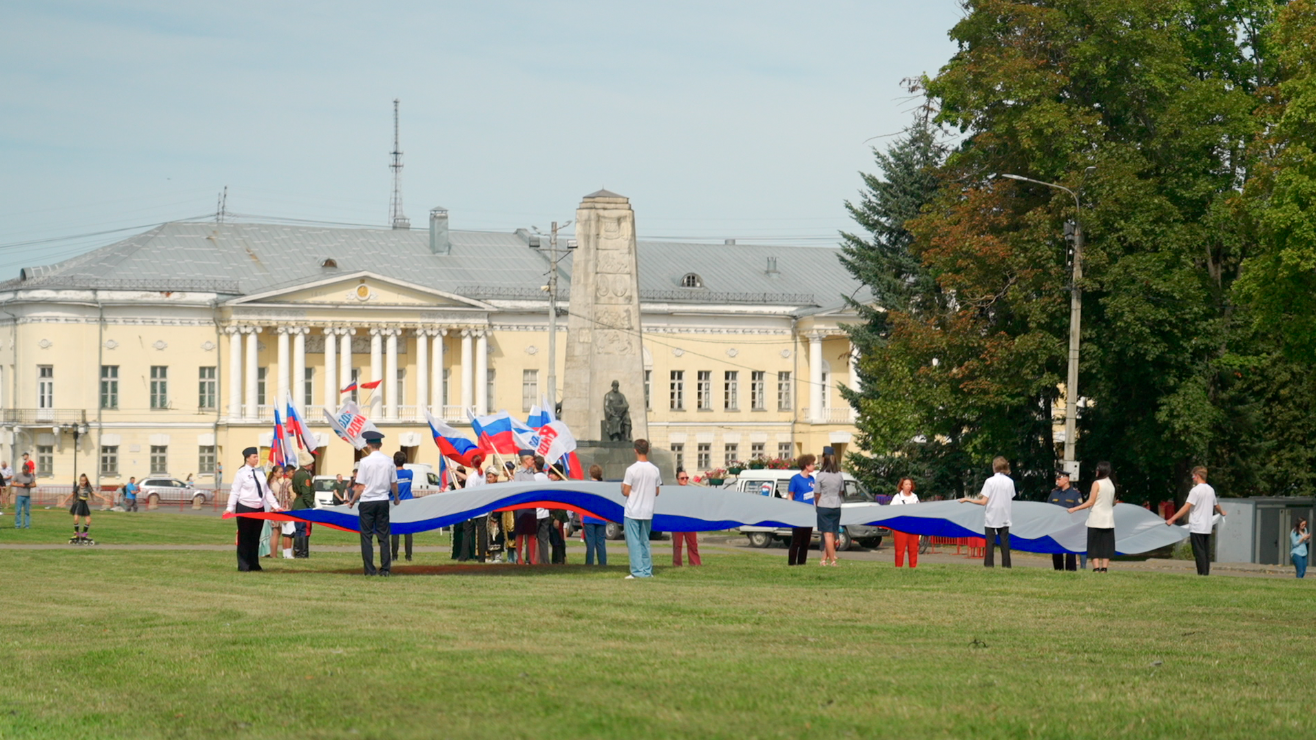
[(1067, 496), (376, 483), (303, 497), (250, 494)]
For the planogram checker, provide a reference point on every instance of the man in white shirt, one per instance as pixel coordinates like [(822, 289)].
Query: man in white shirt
[(376, 483), (250, 494), (1203, 505), (640, 487), (996, 497)]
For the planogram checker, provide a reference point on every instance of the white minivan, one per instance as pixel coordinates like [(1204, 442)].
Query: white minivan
[(423, 483), (775, 483)]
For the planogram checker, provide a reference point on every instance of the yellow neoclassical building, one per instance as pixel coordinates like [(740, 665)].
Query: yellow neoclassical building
[(166, 353)]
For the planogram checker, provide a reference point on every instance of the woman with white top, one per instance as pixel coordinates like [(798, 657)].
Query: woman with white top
[(905, 543), (1101, 520)]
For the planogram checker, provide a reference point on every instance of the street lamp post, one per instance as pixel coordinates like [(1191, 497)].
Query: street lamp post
[(1075, 321), (554, 257)]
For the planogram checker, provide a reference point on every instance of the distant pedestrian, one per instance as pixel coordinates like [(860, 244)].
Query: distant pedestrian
[(249, 493), (689, 539), (476, 531), (558, 518), (376, 484), (641, 487), (596, 529), (996, 497), (906, 544), (829, 492), (1067, 496), (303, 497), (801, 489), (339, 491), (1298, 540), (1203, 504), (1101, 520), (6, 480), (405, 478), (527, 525), (130, 491), (543, 518), (24, 479), (281, 486), (81, 509)]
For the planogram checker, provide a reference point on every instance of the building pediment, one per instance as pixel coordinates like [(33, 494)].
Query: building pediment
[(361, 289)]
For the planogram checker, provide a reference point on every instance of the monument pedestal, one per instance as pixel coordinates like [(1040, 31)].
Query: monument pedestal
[(615, 457)]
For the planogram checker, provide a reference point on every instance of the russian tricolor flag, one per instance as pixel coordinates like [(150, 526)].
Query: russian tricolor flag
[(354, 385), (495, 433), (539, 417), (452, 444), (296, 426)]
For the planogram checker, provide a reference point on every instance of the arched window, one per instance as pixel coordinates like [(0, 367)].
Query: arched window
[(329, 262), (691, 280)]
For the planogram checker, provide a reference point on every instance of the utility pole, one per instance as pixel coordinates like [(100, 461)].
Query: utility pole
[(554, 257), (1075, 321)]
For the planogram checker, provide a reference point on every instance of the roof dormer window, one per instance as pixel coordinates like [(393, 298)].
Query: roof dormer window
[(691, 280), (329, 263)]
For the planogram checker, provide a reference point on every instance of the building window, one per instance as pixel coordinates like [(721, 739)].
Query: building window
[(678, 390), (490, 404), (205, 460), (784, 451), (784, 400), (529, 389), (206, 388), (355, 395), (402, 386), (704, 458), (45, 461), (159, 387), (758, 391), (261, 372), (45, 386), (109, 386), (648, 385), (109, 459), (159, 460), (704, 390), (732, 453), (308, 386), (731, 390), (678, 452), (691, 280), (758, 451), (443, 390)]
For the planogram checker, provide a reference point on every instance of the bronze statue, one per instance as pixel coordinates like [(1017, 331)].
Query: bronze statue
[(616, 416)]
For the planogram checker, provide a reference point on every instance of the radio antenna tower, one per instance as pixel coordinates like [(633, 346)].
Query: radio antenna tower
[(396, 217), (221, 206)]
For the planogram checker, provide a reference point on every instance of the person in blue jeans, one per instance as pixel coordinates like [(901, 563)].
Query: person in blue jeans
[(24, 479), (1298, 538), (641, 486), (596, 530)]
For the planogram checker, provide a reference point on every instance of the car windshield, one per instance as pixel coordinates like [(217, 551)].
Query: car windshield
[(856, 493), (323, 485)]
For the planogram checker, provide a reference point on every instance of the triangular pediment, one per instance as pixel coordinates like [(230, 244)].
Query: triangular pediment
[(362, 289)]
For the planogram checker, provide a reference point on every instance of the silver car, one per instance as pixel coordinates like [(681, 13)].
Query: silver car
[(157, 490)]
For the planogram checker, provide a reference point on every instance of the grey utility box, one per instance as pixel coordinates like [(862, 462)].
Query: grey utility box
[(1256, 530)]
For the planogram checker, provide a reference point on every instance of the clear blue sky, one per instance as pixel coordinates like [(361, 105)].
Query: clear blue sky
[(717, 119)]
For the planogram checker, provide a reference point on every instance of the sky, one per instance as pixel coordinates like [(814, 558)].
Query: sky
[(717, 119)]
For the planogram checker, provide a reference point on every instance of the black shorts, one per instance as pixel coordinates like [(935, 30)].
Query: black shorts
[(80, 508), (1101, 543)]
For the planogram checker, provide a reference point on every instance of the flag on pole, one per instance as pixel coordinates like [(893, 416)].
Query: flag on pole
[(555, 441), (349, 423), (297, 427), (494, 432), (279, 450), (452, 444), (538, 417), (354, 385)]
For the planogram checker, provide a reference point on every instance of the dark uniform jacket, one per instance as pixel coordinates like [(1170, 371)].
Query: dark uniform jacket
[(1067, 498), (303, 493)]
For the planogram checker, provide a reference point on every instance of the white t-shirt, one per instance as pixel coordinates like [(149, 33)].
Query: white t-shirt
[(377, 474), (644, 480), (541, 513), (1203, 499), (903, 499), (999, 490), (474, 478)]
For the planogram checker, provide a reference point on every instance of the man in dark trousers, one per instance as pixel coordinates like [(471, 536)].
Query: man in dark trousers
[(1067, 496), (376, 483), (303, 497), (249, 494)]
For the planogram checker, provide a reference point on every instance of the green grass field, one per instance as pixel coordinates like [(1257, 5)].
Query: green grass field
[(102, 643)]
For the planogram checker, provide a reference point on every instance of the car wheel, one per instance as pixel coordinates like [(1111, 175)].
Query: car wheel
[(843, 541), (614, 531), (760, 539), (872, 543)]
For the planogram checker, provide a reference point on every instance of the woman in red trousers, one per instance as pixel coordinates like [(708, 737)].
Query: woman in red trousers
[(905, 542)]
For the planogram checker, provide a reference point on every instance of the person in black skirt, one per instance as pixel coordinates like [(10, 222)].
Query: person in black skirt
[(250, 494), (1101, 520)]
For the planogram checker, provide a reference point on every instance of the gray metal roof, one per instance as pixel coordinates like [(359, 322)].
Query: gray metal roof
[(246, 259)]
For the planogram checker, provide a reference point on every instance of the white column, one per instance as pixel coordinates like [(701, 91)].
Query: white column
[(330, 369), (438, 392), (422, 368), (376, 354), (285, 366), (345, 356), (468, 370), (482, 372), (249, 406), (815, 378), (299, 369), (234, 373), (391, 374)]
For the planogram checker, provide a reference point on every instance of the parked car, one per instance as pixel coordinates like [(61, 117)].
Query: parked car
[(776, 482), (157, 490), (423, 483)]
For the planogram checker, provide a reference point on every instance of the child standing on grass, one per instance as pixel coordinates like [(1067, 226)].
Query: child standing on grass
[(1298, 539)]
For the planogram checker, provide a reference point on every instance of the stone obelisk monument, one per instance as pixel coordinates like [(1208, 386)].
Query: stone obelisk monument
[(603, 331)]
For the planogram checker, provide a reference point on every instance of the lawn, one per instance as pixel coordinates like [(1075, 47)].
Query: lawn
[(104, 643)]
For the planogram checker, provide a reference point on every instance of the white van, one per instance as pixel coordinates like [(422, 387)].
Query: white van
[(423, 483), (776, 482)]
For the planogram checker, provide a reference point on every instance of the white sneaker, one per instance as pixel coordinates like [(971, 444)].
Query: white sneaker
[(287, 553), (630, 578)]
